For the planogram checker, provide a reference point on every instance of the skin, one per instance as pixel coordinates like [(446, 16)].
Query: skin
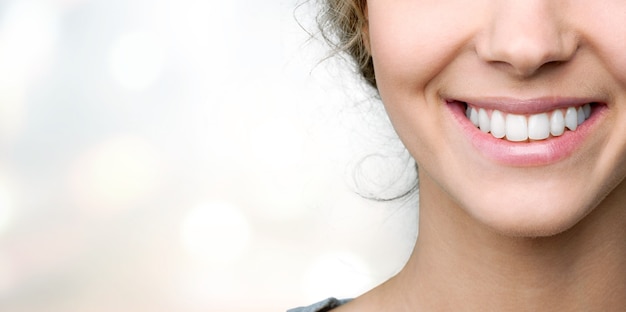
[(497, 237)]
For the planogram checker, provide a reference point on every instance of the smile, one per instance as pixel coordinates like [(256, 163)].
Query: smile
[(521, 128), (528, 132)]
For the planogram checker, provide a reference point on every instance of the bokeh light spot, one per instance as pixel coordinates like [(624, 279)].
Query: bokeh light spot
[(116, 174), (28, 35), (136, 60), (216, 232)]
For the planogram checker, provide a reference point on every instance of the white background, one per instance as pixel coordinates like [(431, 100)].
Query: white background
[(188, 155)]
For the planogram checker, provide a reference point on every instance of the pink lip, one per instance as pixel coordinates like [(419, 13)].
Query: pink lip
[(526, 154), (527, 106)]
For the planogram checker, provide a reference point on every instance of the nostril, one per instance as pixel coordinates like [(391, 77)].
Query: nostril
[(525, 38)]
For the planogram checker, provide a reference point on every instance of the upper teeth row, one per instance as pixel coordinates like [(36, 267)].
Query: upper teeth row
[(518, 128)]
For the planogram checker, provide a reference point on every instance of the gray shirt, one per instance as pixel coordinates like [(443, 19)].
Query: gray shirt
[(322, 306)]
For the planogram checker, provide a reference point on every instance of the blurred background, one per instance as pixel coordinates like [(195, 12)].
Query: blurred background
[(189, 155)]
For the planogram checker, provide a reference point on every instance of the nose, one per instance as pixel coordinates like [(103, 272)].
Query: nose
[(524, 35)]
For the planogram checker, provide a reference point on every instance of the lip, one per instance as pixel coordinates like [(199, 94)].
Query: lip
[(527, 106), (532, 153)]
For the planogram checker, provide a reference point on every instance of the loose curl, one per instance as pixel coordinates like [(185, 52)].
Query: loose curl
[(342, 24)]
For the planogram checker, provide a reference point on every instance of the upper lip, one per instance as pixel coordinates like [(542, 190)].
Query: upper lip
[(525, 106)]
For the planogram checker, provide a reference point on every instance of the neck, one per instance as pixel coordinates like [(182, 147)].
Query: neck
[(460, 265)]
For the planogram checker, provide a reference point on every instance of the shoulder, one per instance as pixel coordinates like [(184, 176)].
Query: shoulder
[(322, 306)]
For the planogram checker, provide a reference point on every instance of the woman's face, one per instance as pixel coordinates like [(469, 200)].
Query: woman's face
[(554, 70)]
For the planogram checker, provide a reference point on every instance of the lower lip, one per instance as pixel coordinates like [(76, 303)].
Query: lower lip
[(526, 154)]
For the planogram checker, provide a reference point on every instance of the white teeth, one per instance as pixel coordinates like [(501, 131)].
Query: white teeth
[(498, 126), (587, 110), (538, 127), (474, 117), (483, 121), (571, 118), (557, 123), (518, 128), (581, 115)]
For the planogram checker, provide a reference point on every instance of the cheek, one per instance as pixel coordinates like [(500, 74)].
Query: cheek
[(602, 26), (409, 51), (614, 59), (418, 124), (411, 42)]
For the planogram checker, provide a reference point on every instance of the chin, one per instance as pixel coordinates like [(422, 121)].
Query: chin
[(531, 228), (529, 217)]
